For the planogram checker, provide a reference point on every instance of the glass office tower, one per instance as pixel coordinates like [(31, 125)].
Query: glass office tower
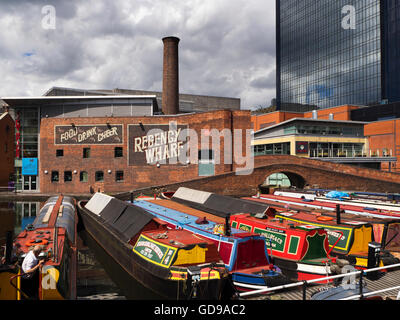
[(332, 53)]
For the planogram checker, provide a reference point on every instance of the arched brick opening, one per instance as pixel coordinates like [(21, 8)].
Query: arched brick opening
[(296, 180)]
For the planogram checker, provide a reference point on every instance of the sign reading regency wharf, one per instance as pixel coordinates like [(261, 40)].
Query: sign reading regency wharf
[(155, 143)]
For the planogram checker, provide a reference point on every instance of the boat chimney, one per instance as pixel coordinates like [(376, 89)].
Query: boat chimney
[(338, 220), (227, 225), (170, 86), (9, 247)]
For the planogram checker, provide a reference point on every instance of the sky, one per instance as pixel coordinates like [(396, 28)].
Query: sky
[(227, 47)]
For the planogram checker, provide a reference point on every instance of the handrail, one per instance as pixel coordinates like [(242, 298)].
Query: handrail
[(18, 289), (371, 293), (302, 283)]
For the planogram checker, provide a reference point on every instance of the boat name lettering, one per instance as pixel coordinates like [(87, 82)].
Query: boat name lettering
[(275, 230), (274, 238), (336, 234), (152, 246)]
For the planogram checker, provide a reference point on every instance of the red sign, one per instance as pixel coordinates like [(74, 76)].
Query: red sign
[(18, 136)]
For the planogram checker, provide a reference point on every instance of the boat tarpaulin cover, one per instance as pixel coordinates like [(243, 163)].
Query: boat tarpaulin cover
[(337, 195), (126, 218), (217, 204), (98, 202)]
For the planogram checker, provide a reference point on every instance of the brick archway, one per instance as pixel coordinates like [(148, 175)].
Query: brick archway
[(296, 178)]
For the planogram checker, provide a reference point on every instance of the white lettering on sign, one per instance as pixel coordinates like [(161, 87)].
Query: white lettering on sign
[(93, 134), (159, 146), (152, 246), (108, 133), (87, 134), (69, 134)]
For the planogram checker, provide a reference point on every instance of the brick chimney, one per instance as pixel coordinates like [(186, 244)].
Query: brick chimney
[(170, 90)]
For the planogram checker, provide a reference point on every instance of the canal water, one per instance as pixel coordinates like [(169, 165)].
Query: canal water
[(93, 282)]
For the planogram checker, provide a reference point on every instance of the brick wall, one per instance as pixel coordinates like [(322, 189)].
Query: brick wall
[(102, 156), (309, 172), (7, 148), (342, 113), (384, 136)]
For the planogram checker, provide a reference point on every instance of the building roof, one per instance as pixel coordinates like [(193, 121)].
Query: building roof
[(309, 120), (23, 101)]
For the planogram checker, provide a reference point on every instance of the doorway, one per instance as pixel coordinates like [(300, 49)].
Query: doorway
[(29, 183)]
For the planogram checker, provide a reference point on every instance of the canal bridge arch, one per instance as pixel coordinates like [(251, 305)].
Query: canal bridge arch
[(315, 173)]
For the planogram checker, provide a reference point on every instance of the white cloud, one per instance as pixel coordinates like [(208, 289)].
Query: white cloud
[(227, 48)]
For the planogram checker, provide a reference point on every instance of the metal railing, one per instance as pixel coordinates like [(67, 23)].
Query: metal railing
[(8, 189), (304, 284), (347, 153)]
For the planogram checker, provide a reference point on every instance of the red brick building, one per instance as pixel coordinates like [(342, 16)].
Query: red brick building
[(342, 113), (384, 140), (117, 154), (6, 148)]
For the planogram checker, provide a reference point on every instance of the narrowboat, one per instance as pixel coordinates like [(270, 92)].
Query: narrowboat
[(243, 253), (157, 262), (55, 230), (309, 260), (323, 205), (350, 233), (301, 251), (261, 214), (344, 198)]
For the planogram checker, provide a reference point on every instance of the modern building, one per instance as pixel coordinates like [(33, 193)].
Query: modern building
[(187, 102), (332, 53), (6, 149), (345, 134)]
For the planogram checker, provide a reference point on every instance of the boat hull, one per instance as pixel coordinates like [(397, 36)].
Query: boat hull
[(135, 277)]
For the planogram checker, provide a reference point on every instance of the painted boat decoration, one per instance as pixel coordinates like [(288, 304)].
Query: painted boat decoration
[(351, 235), (297, 267), (315, 204), (243, 253), (55, 230), (301, 251), (163, 263)]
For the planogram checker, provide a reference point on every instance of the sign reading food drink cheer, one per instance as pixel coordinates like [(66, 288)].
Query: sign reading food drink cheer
[(89, 134), (156, 143)]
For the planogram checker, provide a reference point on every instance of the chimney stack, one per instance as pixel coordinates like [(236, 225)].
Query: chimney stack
[(170, 90)]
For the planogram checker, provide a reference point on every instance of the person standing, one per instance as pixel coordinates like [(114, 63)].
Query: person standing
[(30, 279)]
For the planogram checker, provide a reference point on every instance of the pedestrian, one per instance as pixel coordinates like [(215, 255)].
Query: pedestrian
[(30, 279)]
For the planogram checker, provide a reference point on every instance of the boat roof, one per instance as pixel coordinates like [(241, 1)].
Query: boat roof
[(277, 223), (219, 205), (177, 238), (185, 217), (65, 220), (122, 216)]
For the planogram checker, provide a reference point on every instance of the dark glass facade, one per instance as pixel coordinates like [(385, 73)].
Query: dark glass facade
[(319, 62), (391, 49)]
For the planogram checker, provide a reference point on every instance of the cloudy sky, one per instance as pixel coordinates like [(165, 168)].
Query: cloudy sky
[(227, 47)]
